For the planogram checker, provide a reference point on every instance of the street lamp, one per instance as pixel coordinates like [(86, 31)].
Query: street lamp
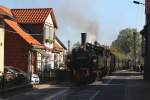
[(134, 36), (146, 39), (137, 2)]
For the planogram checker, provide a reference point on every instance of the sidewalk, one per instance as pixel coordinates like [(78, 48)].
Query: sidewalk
[(52, 84), (137, 90), (44, 91), (17, 89)]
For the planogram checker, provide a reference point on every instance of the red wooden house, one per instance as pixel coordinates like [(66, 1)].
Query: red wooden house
[(18, 44), (41, 24), (30, 41)]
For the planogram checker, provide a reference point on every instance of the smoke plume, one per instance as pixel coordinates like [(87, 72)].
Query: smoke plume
[(75, 13)]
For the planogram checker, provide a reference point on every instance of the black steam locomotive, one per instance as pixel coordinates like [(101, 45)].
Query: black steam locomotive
[(90, 62)]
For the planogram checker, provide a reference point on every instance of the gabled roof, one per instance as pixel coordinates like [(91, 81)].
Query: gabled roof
[(18, 30), (58, 45), (4, 11), (58, 40), (33, 15)]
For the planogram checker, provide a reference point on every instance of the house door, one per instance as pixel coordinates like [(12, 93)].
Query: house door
[(32, 59)]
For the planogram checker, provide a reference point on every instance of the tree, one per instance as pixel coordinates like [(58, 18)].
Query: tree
[(125, 41)]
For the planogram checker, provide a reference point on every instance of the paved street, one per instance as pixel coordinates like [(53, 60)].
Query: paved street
[(121, 85)]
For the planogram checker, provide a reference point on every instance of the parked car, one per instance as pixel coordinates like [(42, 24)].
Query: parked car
[(14, 76), (35, 79)]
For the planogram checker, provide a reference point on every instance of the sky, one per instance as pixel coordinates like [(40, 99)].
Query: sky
[(101, 19)]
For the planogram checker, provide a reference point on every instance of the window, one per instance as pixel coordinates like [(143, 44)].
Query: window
[(49, 33), (1, 23)]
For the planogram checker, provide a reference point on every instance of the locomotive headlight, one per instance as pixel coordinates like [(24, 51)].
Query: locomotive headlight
[(94, 60)]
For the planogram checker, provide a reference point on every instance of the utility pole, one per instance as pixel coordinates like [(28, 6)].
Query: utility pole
[(68, 45)]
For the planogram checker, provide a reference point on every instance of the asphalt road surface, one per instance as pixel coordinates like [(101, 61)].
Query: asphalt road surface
[(121, 85)]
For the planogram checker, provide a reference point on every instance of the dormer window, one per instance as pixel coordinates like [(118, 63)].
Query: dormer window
[(1, 23), (49, 33)]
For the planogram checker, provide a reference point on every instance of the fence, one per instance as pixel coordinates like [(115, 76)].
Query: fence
[(55, 75)]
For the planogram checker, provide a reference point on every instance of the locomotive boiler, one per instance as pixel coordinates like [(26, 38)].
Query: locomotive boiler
[(90, 62)]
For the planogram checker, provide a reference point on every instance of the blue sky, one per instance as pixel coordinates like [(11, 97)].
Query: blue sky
[(106, 17)]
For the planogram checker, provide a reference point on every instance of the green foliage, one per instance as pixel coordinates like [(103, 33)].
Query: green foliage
[(120, 55), (125, 42)]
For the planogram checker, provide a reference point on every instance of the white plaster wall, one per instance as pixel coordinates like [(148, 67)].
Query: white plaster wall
[(39, 63), (49, 20), (48, 45), (1, 50), (51, 59)]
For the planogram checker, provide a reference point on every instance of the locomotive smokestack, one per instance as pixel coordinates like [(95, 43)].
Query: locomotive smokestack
[(83, 39)]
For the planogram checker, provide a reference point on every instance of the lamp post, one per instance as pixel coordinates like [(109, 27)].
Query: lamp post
[(146, 39), (137, 2), (143, 38), (134, 36)]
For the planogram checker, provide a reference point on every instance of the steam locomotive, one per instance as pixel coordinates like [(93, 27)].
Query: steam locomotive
[(90, 62)]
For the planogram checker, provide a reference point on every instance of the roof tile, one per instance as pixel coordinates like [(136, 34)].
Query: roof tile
[(32, 16), (57, 47), (4, 11)]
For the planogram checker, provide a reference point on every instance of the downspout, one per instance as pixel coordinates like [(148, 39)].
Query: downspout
[(29, 64), (54, 37), (30, 61)]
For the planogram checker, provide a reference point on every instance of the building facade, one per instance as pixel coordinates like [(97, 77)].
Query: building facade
[(146, 41), (28, 41), (41, 24)]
